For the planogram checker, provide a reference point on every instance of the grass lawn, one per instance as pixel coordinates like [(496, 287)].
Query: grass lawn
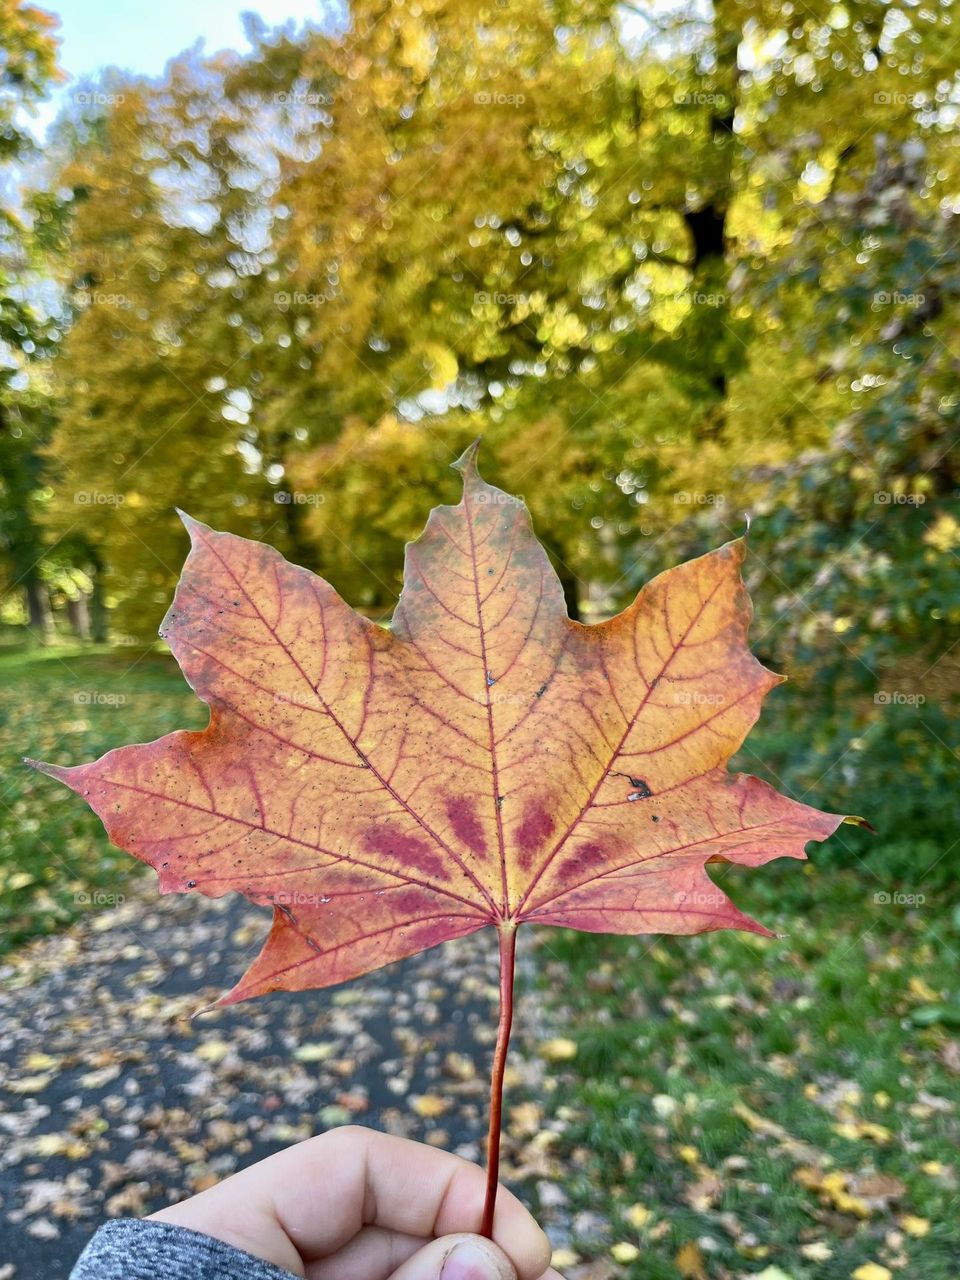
[(783, 1108), (68, 706)]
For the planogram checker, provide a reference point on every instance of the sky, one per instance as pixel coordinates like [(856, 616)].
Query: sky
[(141, 37)]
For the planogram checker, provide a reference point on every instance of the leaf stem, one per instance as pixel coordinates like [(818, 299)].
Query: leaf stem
[(508, 945)]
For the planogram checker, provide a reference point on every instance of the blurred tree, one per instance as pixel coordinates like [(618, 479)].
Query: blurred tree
[(28, 66), (573, 230), (170, 245), (602, 236), (866, 532)]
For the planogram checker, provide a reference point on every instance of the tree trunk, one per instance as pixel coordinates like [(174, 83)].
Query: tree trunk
[(79, 616), (569, 582), (99, 626), (712, 325), (39, 613)]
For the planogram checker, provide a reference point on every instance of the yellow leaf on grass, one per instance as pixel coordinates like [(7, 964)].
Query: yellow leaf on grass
[(561, 1258), (638, 1215), (915, 1226), (689, 1262), (856, 1129), (753, 1251), (871, 1271), (558, 1050), (624, 1252), (921, 991), (759, 1124), (816, 1251), (832, 1188)]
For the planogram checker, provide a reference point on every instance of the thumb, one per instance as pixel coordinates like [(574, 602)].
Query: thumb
[(459, 1257)]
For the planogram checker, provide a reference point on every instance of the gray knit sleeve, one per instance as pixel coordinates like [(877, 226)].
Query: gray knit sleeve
[(141, 1249)]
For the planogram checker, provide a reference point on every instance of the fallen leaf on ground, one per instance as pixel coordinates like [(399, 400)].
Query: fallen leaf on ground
[(212, 1051), (877, 1190), (318, 1052), (559, 1049), (854, 1130), (913, 1225), (563, 1258), (430, 1105), (816, 1251), (689, 1262), (702, 1194), (624, 1252), (833, 1188), (638, 1215)]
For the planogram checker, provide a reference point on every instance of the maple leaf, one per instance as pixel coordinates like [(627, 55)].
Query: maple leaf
[(485, 760)]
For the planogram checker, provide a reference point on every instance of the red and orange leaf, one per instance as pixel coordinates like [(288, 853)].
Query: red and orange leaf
[(484, 760)]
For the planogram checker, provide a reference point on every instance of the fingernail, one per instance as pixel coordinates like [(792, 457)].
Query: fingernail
[(471, 1261)]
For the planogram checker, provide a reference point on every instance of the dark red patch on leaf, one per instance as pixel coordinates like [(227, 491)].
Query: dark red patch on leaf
[(535, 829), (465, 823), (406, 850)]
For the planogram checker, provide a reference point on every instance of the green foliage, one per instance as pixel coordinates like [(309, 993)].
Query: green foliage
[(894, 762), (28, 67), (56, 865)]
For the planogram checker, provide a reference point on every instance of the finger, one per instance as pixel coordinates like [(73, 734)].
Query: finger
[(460, 1257), (325, 1190), (374, 1253), (233, 1211), (307, 1202)]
